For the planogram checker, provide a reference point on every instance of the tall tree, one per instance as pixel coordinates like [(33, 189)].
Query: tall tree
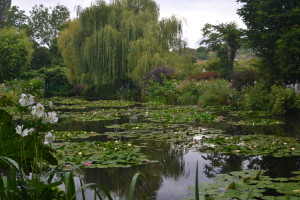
[(15, 53), (16, 18), (45, 22), (118, 41), (4, 7), (273, 25), (225, 39)]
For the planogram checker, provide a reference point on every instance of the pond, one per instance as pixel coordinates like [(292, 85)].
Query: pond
[(171, 165)]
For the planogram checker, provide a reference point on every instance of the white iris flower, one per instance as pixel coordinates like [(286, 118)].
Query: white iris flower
[(49, 138), (25, 132), (26, 100), (38, 110)]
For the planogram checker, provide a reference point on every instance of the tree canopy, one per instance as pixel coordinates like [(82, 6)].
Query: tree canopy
[(15, 53), (273, 32), (121, 40), (45, 23), (4, 7), (225, 39)]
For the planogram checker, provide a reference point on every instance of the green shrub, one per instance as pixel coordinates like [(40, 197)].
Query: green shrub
[(56, 82), (256, 97), (188, 92), (214, 92), (283, 101), (165, 93), (8, 96)]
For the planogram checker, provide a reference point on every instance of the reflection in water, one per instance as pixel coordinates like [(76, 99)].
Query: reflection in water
[(221, 164), (169, 178), (171, 165), (274, 167)]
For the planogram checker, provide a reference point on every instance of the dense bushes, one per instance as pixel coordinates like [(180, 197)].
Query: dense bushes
[(159, 74), (283, 101), (214, 92), (11, 91), (277, 100), (189, 92), (56, 82)]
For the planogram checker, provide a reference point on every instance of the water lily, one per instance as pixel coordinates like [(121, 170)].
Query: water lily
[(68, 165), (49, 138), (25, 132), (26, 100), (87, 163), (38, 110)]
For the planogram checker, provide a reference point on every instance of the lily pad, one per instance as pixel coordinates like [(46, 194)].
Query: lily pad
[(100, 154), (182, 114), (232, 186), (268, 145), (257, 122)]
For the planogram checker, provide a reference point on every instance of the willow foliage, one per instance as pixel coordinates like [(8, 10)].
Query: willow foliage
[(118, 41)]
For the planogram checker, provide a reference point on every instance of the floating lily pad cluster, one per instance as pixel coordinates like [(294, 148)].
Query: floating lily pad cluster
[(257, 122), (139, 126), (68, 135), (100, 154), (267, 145), (250, 113), (181, 137), (75, 103), (249, 184), (182, 114), (95, 115)]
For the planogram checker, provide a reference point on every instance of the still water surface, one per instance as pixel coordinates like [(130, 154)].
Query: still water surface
[(170, 178)]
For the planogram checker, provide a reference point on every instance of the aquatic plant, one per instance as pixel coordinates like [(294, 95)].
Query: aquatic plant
[(269, 145), (247, 184)]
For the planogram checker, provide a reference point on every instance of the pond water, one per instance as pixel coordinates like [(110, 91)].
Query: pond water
[(170, 177)]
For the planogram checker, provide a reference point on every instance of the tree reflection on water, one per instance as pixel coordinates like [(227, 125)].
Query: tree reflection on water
[(274, 166), (117, 180)]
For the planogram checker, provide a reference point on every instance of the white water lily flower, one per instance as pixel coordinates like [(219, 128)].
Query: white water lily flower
[(25, 132), (38, 110), (26, 100), (49, 138), (50, 118)]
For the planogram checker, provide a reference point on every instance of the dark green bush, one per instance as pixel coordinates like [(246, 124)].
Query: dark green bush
[(56, 82), (214, 92), (256, 97), (283, 101)]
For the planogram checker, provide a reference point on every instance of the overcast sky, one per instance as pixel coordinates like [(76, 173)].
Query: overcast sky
[(194, 13)]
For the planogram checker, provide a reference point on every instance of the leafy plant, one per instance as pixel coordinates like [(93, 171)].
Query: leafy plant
[(159, 74), (255, 97), (214, 92), (248, 184), (283, 101)]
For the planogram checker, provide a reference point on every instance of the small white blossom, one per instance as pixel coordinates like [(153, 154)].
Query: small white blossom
[(38, 110), (19, 129), (50, 118), (26, 100), (49, 138), (25, 132), (50, 104)]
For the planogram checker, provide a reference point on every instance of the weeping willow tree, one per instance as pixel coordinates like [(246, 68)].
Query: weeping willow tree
[(121, 40)]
